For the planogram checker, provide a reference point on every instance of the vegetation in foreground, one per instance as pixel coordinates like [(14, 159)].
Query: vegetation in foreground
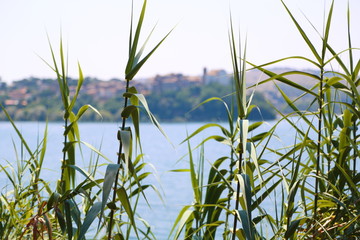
[(314, 181)]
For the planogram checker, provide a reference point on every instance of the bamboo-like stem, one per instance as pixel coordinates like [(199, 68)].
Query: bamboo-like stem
[(231, 170), (237, 199), (112, 212), (353, 78), (354, 130), (62, 181), (354, 139), (230, 192), (318, 154)]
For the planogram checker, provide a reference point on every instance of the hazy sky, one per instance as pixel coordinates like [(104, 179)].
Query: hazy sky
[(95, 33)]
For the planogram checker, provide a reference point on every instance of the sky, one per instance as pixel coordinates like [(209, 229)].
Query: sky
[(95, 34)]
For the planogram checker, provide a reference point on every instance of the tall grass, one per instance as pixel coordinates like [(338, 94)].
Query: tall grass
[(219, 199), (313, 182), (329, 153), (69, 211), (124, 166)]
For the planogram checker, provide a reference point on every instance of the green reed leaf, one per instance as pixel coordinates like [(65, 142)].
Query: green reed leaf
[(244, 218), (152, 118), (226, 182), (349, 180), (133, 44), (60, 219), (126, 141), (77, 90), (63, 65), (304, 35), (356, 73), (48, 226), (327, 31), (124, 199), (229, 115), (349, 38), (63, 88), (243, 129), (23, 141), (69, 226), (140, 52), (75, 213), (83, 172), (110, 178), (89, 219), (180, 221), (8, 174), (43, 150), (250, 147), (134, 63), (194, 177), (240, 234), (130, 75), (202, 128), (239, 73), (95, 150), (75, 118), (291, 104), (292, 228), (265, 194), (83, 109), (127, 111), (281, 78), (53, 200)]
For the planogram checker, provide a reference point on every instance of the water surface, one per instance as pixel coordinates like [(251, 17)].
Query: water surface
[(161, 155)]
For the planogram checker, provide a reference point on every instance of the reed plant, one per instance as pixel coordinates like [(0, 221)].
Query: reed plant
[(312, 183), (20, 204), (124, 173), (322, 176), (69, 212), (51, 214), (219, 199)]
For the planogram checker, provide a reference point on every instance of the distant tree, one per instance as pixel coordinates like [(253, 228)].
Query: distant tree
[(169, 105)]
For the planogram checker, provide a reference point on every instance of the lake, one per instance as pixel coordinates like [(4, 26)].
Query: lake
[(162, 156)]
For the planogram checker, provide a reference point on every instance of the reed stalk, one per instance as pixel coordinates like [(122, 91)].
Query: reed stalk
[(238, 63), (236, 202), (119, 162), (134, 64), (321, 103), (318, 149), (353, 79)]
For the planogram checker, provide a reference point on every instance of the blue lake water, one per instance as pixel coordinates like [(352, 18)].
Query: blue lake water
[(162, 157)]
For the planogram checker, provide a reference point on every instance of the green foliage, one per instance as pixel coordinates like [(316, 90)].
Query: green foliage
[(327, 144), (166, 105), (125, 173), (56, 214), (312, 182), (184, 104)]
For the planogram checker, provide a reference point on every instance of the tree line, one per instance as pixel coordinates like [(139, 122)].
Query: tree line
[(182, 104)]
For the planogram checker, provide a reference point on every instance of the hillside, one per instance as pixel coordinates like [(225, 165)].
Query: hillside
[(171, 97)]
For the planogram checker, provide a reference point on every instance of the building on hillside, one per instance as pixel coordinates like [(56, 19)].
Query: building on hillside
[(219, 76), (18, 97), (173, 82)]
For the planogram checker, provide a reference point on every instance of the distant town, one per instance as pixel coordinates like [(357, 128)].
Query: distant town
[(172, 97), (18, 92)]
